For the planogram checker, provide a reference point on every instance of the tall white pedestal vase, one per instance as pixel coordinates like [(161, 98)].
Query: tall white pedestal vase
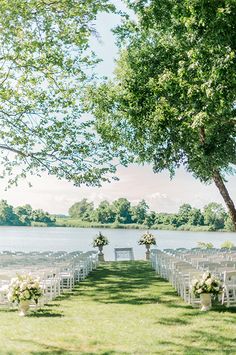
[(147, 251), (100, 254)]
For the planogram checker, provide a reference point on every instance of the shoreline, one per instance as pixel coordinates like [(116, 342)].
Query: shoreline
[(183, 228)]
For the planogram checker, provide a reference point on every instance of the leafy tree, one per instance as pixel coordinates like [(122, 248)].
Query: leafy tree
[(184, 213), (196, 217), (41, 216), (189, 215), (164, 218), (24, 214), (175, 220), (150, 219), (172, 101), (105, 213), (214, 215), (45, 61), (82, 210), (7, 215), (139, 212), (229, 224), (122, 209)]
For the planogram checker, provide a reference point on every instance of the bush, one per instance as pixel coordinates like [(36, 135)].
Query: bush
[(204, 245), (227, 245)]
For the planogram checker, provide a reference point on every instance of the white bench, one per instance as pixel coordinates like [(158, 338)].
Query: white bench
[(123, 254)]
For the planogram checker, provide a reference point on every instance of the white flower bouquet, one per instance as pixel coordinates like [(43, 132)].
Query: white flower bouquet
[(206, 284), (100, 240), (148, 239), (24, 288)]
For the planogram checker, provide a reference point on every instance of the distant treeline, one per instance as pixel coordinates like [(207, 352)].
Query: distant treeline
[(122, 213), (23, 216)]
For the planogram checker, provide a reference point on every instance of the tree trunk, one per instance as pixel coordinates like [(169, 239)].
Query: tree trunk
[(224, 193)]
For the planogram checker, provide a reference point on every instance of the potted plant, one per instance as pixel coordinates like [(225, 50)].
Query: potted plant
[(205, 287), (22, 290), (147, 239), (100, 241)]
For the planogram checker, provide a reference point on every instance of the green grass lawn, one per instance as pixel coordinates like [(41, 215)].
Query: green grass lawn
[(122, 308)]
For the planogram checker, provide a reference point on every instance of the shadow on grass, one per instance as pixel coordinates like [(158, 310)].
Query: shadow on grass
[(7, 310), (219, 309), (222, 342), (46, 349), (45, 313), (123, 283), (126, 283), (173, 321), (57, 352)]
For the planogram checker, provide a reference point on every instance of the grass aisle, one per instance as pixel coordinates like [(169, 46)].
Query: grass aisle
[(122, 308)]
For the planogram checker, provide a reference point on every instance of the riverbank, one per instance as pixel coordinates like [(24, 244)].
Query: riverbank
[(75, 223), (121, 308)]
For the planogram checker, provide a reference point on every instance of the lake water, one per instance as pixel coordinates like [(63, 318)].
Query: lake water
[(69, 239)]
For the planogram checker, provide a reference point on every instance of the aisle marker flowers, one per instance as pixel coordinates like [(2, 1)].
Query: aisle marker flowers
[(207, 284), (24, 288), (100, 240), (147, 238)]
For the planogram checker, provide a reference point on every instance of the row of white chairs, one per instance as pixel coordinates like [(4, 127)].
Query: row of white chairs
[(57, 274), (181, 271)]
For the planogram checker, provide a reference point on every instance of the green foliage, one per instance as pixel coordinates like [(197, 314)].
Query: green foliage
[(214, 215), (23, 216), (227, 245), (140, 212), (40, 216), (122, 209), (120, 213), (105, 213), (7, 215), (172, 100), (204, 245), (229, 226), (82, 210), (45, 61)]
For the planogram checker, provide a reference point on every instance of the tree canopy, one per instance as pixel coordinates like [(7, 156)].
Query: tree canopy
[(45, 61), (23, 215), (172, 101), (121, 213)]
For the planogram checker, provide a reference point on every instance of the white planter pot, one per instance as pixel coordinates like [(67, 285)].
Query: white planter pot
[(205, 301), (24, 308)]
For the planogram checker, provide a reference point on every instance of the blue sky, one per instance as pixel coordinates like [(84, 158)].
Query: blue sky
[(136, 182)]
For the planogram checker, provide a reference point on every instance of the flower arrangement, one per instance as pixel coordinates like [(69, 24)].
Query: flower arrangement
[(147, 238), (206, 284), (100, 240), (24, 288)]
